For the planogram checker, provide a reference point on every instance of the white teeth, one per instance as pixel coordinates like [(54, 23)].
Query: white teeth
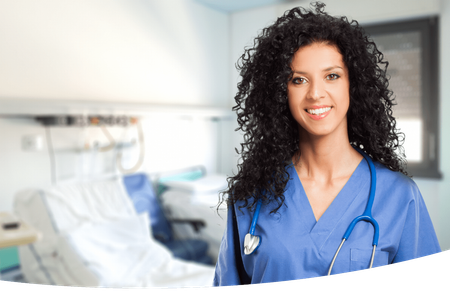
[(319, 111)]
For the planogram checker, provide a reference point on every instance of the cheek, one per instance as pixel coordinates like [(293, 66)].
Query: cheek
[(293, 104), (294, 108), (346, 100), (342, 98), (294, 98)]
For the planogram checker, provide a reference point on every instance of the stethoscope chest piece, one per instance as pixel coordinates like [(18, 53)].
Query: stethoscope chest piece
[(251, 243)]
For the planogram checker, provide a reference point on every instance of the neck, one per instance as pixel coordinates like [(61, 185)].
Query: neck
[(326, 158)]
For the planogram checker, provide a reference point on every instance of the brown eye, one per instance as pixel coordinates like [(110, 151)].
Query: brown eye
[(299, 80), (333, 76)]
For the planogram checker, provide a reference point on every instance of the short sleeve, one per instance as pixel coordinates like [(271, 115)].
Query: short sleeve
[(229, 266), (418, 238)]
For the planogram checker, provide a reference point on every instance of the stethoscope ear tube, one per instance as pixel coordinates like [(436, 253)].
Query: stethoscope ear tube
[(335, 255), (339, 249)]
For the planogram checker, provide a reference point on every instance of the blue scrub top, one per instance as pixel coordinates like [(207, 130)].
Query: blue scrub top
[(294, 245)]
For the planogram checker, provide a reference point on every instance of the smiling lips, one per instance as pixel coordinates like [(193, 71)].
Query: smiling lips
[(318, 113)]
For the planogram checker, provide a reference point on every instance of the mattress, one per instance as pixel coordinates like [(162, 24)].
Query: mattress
[(92, 236)]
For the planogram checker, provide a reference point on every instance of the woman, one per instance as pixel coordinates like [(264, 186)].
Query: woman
[(312, 91)]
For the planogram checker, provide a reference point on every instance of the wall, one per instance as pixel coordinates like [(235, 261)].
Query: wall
[(438, 192), (246, 24), (168, 52)]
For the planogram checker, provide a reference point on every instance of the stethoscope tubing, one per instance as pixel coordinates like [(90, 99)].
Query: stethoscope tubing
[(255, 217), (366, 216)]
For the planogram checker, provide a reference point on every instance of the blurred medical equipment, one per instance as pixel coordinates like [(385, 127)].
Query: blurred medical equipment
[(195, 198), (145, 200), (15, 232), (252, 241), (140, 160), (93, 236), (88, 122)]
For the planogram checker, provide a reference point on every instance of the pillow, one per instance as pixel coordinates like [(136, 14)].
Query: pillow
[(209, 184), (186, 176)]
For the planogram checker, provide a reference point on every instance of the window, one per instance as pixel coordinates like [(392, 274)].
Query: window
[(411, 48)]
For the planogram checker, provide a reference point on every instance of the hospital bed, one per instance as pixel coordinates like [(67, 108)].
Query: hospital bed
[(93, 234)]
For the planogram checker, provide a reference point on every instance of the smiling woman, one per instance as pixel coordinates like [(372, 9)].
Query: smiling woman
[(271, 74), (312, 102), (319, 98)]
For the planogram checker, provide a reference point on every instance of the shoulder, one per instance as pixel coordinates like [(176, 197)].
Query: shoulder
[(246, 207), (396, 183), (398, 200)]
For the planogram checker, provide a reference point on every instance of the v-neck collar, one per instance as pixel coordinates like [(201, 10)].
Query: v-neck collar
[(320, 230)]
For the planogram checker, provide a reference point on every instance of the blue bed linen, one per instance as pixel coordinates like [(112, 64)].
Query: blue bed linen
[(295, 246)]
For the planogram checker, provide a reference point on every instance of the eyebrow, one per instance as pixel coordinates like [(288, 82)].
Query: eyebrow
[(324, 70)]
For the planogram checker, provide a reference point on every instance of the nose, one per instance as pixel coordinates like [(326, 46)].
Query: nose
[(316, 90)]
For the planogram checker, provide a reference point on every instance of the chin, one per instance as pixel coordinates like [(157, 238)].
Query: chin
[(324, 131)]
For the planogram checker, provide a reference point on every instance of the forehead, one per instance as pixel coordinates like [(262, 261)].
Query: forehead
[(317, 56)]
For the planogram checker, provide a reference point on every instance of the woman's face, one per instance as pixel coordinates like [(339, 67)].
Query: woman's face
[(318, 92)]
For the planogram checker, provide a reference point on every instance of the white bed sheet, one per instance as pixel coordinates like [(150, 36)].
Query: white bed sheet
[(92, 236)]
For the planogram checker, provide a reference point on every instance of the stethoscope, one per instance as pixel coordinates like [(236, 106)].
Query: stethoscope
[(252, 241)]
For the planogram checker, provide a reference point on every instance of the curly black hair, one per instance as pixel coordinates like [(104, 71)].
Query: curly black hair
[(271, 135)]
